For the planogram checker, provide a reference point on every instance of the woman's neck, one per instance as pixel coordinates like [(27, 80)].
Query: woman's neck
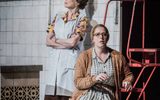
[(100, 51), (72, 11), (102, 54)]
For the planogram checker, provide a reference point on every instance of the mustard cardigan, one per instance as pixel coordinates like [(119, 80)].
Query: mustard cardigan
[(84, 81)]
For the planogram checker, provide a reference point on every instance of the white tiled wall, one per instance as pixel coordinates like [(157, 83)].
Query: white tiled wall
[(23, 27), (22, 32)]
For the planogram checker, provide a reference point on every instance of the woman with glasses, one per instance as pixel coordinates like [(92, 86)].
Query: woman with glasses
[(100, 71)]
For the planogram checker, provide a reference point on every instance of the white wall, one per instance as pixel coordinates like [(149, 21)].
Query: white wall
[(22, 32), (23, 27)]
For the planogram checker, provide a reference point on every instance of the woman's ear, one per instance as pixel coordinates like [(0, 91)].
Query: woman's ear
[(77, 4)]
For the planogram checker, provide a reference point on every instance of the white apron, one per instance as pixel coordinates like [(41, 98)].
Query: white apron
[(60, 62)]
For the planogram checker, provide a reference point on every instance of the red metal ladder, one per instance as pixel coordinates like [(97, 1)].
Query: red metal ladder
[(145, 62)]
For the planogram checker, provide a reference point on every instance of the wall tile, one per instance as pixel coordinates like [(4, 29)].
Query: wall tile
[(9, 50), (28, 50), (3, 60), (9, 12), (9, 26), (3, 25), (3, 10), (16, 24)]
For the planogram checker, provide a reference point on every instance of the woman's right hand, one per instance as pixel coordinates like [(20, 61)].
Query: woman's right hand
[(101, 77)]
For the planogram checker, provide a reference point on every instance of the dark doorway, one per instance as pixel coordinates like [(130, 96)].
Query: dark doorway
[(152, 21)]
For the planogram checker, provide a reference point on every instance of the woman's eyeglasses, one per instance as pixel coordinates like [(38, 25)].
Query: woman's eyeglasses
[(99, 34)]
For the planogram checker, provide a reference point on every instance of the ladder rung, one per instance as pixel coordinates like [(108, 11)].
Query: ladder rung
[(135, 65), (133, 90), (142, 50), (144, 65)]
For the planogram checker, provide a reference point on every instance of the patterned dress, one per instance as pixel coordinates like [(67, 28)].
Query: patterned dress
[(96, 93)]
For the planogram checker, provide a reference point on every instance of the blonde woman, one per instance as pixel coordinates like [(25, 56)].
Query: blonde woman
[(100, 71)]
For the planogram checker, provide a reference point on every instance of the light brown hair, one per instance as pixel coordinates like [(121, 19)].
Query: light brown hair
[(99, 25)]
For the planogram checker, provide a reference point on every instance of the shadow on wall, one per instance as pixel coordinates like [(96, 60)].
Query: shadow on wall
[(90, 9)]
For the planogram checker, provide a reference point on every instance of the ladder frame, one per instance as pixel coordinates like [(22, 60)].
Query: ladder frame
[(143, 49)]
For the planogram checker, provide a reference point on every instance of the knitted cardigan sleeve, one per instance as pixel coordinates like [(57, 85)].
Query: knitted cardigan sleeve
[(83, 79)]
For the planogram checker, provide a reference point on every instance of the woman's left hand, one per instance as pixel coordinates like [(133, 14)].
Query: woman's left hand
[(53, 38), (127, 86)]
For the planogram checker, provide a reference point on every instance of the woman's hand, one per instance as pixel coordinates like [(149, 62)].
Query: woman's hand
[(53, 39), (127, 86), (101, 77)]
